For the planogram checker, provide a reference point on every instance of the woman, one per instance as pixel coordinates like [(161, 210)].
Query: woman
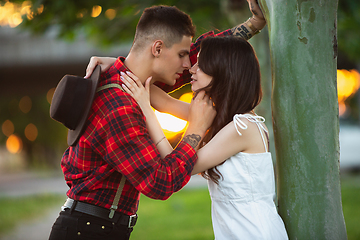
[(235, 157)]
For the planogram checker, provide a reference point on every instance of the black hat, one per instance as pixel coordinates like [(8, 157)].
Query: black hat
[(71, 103)]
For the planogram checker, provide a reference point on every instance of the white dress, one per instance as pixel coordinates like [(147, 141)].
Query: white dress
[(243, 202)]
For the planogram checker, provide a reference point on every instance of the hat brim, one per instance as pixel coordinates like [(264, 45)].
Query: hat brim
[(74, 135)]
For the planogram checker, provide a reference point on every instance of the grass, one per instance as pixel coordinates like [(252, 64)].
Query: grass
[(350, 193), (185, 215), (15, 210)]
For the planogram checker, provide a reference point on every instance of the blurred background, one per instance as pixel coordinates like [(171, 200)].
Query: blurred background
[(41, 41)]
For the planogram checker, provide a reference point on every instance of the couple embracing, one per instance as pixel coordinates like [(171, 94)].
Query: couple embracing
[(122, 151)]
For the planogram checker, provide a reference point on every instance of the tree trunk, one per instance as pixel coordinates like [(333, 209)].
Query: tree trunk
[(303, 53)]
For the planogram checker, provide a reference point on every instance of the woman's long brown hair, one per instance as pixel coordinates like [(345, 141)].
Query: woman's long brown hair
[(235, 87)]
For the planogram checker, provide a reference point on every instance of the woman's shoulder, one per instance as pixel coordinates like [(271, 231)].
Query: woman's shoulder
[(246, 123)]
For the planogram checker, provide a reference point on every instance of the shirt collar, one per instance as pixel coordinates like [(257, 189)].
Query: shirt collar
[(112, 75)]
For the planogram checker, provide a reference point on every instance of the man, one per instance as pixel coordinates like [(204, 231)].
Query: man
[(116, 145)]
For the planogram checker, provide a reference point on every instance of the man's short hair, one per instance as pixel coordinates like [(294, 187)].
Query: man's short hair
[(166, 23)]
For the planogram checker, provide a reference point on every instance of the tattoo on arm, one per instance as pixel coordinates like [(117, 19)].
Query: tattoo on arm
[(242, 31), (192, 139)]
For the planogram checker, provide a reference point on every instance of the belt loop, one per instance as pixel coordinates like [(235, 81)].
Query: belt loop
[(73, 206)]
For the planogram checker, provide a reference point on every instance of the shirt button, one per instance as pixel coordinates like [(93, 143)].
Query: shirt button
[(88, 223), (103, 227), (79, 233)]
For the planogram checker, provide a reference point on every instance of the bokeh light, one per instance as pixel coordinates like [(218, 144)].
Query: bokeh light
[(31, 132), (110, 14), (96, 10), (11, 14), (170, 124), (14, 144), (7, 128), (186, 97), (348, 83), (25, 104), (49, 95)]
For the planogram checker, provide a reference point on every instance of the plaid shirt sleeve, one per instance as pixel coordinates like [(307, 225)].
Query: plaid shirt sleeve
[(116, 143), (122, 139), (194, 50)]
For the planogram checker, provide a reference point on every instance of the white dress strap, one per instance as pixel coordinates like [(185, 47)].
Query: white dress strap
[(239, 124)]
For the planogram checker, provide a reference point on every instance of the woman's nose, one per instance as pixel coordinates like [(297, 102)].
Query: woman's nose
[(193, 69)]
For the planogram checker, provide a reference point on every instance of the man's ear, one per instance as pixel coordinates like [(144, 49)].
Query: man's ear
[(157, 47)]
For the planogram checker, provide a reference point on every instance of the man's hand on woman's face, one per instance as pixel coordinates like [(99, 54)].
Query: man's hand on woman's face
[(202, 111)]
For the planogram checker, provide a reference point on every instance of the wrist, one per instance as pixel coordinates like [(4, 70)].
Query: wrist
[(196, 128), (257, 23)]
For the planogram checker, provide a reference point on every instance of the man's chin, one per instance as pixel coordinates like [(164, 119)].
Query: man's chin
[(171, 82)]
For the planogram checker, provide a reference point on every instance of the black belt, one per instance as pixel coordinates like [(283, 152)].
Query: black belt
[(100, 212)]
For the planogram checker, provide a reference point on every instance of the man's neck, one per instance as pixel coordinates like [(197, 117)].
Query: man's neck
[(140, 65)]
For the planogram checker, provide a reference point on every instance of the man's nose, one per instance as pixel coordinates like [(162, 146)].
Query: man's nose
[(186, 63)]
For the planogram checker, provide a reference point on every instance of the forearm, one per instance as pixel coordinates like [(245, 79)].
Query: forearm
[(201, 116), (253, 25), (134, 154), (156, 133), (163, 102), (193, 136), (247, 29)]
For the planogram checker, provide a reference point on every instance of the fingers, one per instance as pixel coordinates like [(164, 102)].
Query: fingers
[(130, 86), (132, 76), (134, 81), (147, 84), (133, 85), (203, 97), (199, 95), (91, 66), (255, 9), (104, 62), (127, 86), (127, 90)]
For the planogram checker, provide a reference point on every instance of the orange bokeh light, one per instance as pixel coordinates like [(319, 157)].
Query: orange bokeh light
[(7, 128), (96, 10), (348, 83), (170, 124), (14, 144), (11, 14), (31, 132)]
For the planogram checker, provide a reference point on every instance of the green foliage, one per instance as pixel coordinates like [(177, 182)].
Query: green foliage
[(72, 18), (348, 28), (206, 14)]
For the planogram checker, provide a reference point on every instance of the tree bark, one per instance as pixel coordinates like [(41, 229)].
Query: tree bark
[(303, 53)]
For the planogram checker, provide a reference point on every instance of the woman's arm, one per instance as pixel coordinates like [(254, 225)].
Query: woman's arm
[(201, 114), (104, 62), (222, 146), (134, 87), (163, 102), (226, 143)]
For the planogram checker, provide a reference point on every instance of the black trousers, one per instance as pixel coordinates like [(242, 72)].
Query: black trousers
[(75, 225)]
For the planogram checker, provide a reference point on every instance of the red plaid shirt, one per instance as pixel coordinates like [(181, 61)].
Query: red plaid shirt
[(116, 142)]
